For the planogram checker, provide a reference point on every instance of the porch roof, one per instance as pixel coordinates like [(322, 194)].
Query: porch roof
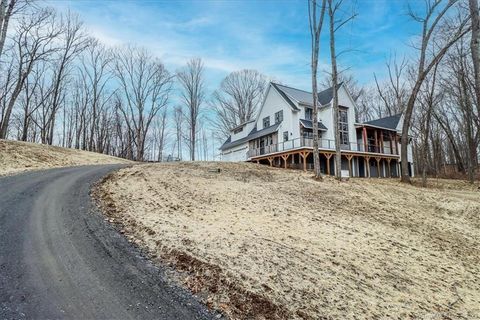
[(254, 134), (309, 124)]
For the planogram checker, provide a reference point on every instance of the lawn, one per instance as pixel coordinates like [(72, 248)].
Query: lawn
[(259, 242)]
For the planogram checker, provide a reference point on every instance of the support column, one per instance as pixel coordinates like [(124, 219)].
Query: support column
[(349, 158), (376, 141), (270, 159), (389, 171), (328, 156), (304, 155), (285, 158), (367, 166), (378, 166), (364, 134), (381, 141)]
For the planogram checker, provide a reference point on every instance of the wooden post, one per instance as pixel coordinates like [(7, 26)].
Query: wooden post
[(349, 158), (381, 140), (367, 166), (391, 143), (364, 133), (389, 168), (396, 144), (376, 140), (270, 159), (378, 166), (304, 155), (328, 156), (285, 158)]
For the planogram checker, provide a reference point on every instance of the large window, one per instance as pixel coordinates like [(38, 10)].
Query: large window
[(343, 125), (308, 114), (278, 116), (266, 122)]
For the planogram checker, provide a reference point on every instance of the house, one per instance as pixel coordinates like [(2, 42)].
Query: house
[(281, 135)]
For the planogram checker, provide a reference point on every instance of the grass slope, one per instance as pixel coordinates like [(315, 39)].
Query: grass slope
[(16, 156), (261, 242)]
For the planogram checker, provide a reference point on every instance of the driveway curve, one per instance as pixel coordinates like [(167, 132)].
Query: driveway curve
[(60, 259)]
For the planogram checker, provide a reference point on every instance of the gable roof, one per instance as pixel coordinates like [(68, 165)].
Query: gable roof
[(387, 122), (252, 135), (285, 96), (305, 97)]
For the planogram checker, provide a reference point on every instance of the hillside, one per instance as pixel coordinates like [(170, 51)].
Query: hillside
[(259, 242), (16, 156)]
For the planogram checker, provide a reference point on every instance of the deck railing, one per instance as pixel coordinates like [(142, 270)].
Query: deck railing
[(326, 144)]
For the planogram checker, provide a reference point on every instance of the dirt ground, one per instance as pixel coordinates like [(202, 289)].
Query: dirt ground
[(267, 243), (16, 156)]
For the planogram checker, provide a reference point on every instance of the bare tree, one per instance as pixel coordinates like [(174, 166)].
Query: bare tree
[(145, 86), (33, 42), (178, 118), (237, 99), (8, 8), (475, 46), (315, 32), (335, 24), (394, 92), (436, 39), (192, 89)]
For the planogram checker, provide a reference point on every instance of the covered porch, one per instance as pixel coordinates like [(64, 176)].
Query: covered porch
[(356, 164)]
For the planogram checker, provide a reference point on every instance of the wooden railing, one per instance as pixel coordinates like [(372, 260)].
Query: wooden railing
[(326, 144)]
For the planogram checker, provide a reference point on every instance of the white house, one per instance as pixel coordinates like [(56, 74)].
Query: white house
[(281, 135)]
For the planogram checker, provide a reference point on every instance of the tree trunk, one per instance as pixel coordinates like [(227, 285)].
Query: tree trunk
[(333, 57)]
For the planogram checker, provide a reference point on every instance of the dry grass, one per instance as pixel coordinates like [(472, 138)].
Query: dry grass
[(16, 156), (272, 243)]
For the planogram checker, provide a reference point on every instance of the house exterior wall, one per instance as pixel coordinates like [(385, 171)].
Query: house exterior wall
[(238, 153), (275, 102)]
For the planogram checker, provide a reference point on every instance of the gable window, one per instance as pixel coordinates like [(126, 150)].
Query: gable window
[(343, 125), (278, 116), (266, 122), (238, 130), (308, 114), (285, 136)]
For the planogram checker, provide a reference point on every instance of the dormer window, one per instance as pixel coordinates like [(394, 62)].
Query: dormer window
[(266, 122), (279, 116), (238, 130)]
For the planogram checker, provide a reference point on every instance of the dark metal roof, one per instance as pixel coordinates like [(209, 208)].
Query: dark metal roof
[(305, 97), (309, 124), (285, 96), (387, 122), (254, 134)]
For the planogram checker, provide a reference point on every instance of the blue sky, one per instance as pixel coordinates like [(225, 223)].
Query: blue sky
[(270, 36)]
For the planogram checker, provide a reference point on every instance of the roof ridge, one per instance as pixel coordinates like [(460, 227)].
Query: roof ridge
[(310, 92)]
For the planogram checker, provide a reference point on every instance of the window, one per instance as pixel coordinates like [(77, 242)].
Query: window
[(285, 136), (238, 130), (343, 125), (308, 114), (266, 122), (278, 116)]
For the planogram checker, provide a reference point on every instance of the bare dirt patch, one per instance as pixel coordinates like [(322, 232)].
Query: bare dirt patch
[(16, 156), (267, 243)]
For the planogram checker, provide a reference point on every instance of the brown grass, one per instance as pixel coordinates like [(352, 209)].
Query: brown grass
[(269, 243), (16, 156)]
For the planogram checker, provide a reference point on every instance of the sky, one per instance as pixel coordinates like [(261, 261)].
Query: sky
[(270, 36)]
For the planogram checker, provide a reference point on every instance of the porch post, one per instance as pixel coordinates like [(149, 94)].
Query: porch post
[(389, 171), (367, 166), (378, 166), (364, 134), (349, 158), (285, 158), (270, 159), (328, 156), (381, 141)]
